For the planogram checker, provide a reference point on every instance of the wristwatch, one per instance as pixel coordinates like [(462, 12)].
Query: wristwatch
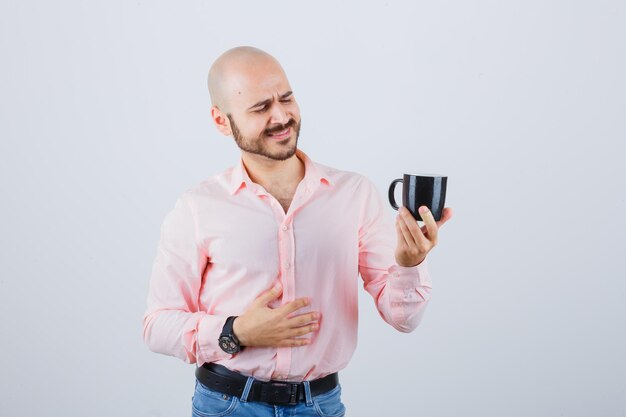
[(228, 341)]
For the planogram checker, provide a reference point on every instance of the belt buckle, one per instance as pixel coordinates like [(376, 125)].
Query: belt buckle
[(293, 397)]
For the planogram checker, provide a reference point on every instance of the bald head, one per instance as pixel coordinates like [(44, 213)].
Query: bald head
[(234, 69)]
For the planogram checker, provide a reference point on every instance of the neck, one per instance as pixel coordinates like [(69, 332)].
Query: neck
[(269, 173)]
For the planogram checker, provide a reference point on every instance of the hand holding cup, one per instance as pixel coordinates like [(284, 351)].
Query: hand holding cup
[(420, 194)]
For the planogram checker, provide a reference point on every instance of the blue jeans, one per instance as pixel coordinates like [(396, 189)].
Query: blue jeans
[(209, 403)]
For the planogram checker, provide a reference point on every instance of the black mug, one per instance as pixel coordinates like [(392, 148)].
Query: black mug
[(421, 190)]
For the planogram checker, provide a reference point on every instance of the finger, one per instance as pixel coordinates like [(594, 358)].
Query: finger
[(265, 298), (294, 305), (401, 238), (303, 319), (417, 236), (293, 342), (445, 216), (430, 223), (301, 331), (404, 231)]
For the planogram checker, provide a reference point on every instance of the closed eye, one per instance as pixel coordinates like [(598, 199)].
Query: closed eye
[(266, 107), (263, 106)]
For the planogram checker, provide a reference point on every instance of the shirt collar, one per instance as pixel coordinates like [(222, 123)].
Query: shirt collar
[(314, 175)]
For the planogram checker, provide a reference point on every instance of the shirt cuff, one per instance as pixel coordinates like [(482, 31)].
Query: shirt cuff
[(410, 279), (209, 330)]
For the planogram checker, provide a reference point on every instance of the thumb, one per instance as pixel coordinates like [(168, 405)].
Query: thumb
[(269, 295)]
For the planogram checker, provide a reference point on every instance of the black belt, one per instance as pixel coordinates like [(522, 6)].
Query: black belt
[(222, 379)]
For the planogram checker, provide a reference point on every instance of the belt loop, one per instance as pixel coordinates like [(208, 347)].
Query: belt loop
[(246, 389), (307, 393)]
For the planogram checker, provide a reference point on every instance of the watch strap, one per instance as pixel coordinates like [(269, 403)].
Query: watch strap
[(228, 342), (227, 330)]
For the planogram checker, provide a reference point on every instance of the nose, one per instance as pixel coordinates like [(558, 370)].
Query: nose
[(279, 115)]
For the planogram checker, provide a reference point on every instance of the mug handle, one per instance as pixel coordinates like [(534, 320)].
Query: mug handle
[(392, 190)]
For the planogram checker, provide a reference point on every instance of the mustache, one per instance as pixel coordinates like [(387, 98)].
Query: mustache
[(280, 128)]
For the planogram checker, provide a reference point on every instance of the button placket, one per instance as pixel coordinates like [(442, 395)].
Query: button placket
[(286, 242), (285, 246), (287, 250)]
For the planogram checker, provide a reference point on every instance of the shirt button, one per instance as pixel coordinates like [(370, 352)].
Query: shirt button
[(285, 228), (287, 265)]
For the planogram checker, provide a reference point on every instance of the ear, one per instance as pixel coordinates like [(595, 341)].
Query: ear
[(221, 121)]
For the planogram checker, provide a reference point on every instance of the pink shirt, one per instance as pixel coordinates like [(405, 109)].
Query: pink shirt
[(227, 240)]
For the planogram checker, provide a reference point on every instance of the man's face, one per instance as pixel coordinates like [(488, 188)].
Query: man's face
[(264, 118)]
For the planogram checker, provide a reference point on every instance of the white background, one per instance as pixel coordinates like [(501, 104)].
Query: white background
[(104, 121)]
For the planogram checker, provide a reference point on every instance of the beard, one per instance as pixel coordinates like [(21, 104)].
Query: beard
[(259, 146)]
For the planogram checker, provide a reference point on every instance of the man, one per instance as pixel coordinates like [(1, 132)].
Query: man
[(256, 274)]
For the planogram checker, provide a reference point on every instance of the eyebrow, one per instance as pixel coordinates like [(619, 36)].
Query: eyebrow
[(269, 100)]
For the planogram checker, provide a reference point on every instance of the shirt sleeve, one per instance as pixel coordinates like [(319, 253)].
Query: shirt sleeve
[(173, 323), (401, 294)]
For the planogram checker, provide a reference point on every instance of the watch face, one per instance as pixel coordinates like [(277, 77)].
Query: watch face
[(228, 345)]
